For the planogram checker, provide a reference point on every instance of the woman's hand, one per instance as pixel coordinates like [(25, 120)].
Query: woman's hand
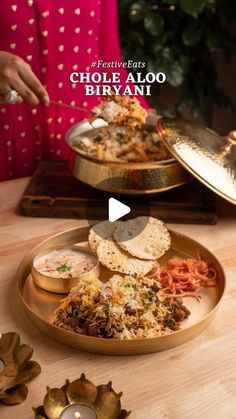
[(16, 74)]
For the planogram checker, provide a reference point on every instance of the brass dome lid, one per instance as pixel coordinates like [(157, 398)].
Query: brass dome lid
[(204, 153)]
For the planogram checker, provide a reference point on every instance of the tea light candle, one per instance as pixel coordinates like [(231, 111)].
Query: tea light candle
[(78, 411), (2, 366)]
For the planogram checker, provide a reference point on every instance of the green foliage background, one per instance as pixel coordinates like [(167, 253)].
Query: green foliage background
[(181, 38)]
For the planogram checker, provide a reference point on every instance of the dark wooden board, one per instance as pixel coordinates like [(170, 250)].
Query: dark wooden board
[(53, 192)]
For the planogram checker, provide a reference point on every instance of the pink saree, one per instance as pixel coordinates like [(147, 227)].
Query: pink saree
[(56, 37)]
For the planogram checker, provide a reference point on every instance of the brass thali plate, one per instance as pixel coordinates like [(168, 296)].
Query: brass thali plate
[(40, 305)]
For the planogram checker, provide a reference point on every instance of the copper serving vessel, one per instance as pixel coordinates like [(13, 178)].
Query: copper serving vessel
[(195, 150), (123, 178)]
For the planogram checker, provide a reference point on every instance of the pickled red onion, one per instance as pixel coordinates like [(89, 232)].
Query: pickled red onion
[(185, 276)]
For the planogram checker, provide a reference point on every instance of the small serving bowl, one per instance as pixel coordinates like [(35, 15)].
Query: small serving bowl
[(63, 285)]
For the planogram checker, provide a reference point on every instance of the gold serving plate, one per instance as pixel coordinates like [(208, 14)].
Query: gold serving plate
[(40, 305), (123, 178)]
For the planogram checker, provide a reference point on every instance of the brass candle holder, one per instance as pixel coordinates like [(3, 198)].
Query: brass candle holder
[(102, 400), (16, 369)]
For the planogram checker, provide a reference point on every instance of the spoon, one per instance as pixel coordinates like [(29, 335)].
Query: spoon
[(65, 105)]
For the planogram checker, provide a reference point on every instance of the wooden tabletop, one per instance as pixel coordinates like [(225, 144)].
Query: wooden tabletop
[(196, 380)]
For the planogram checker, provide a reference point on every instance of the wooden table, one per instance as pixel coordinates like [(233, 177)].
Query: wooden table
[(196, 380)]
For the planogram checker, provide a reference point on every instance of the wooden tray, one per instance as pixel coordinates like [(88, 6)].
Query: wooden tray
[(40, 305), (54, 192)]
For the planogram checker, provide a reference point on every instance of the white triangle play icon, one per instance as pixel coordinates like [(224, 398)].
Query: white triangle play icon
[(117, 210)]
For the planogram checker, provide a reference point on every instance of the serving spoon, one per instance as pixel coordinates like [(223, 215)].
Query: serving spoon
[(66, 105), (93, 123)]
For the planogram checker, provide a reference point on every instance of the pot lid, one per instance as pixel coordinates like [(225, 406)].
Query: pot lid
[(208, 156)]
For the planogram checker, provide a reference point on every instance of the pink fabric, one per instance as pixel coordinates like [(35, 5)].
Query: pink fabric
[(55, 37)]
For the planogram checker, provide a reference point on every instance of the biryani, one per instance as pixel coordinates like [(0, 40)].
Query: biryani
[(121, 110), (122, 145), (126, 307)]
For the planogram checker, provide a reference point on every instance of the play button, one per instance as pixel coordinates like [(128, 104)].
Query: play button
[(105, 211), (117, 210)]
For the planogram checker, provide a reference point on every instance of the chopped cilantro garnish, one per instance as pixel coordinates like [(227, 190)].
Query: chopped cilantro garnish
[(119, 137), (150, 293), (64, 268), (106, 307), (170, 323), (98, 138)]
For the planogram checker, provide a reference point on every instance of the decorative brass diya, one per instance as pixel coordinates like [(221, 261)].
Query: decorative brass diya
[(101, 401)]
